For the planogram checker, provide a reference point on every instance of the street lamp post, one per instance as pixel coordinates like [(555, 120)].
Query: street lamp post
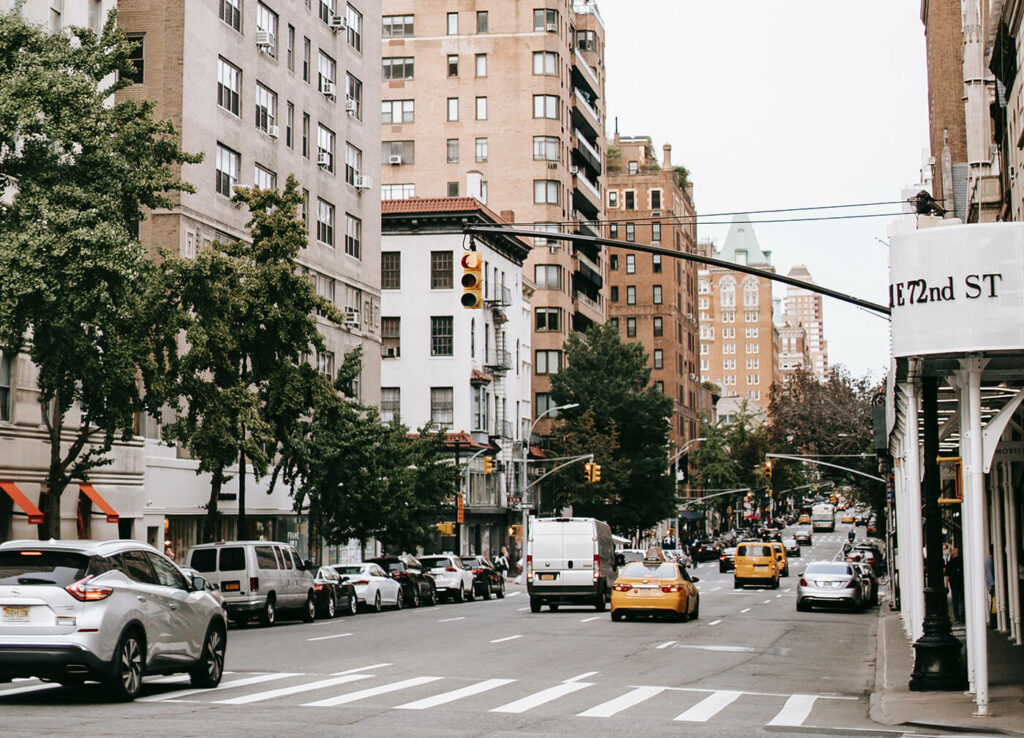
[(526, 460), (671, 464)]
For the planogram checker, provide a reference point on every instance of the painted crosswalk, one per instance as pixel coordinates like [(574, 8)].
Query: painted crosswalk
[(384, 686)]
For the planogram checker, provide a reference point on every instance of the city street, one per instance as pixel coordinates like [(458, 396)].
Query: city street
[(750, 663)]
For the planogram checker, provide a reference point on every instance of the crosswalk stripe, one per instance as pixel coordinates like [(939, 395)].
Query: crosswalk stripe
[(710, 706), (285, 691), (795, 711), (633, 697), (455, 694), (258, 679), (39, 687), (542, 697), (372, 692)]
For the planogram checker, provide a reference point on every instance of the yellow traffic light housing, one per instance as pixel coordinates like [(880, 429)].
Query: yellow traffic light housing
[(588, 472), (488, 465), (768, 468), (595, 472), (472, 280)]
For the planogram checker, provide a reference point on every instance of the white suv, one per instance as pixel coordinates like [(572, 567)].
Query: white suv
[(108, 611), (452, 577)]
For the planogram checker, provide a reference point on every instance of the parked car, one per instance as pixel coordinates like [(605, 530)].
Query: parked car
[(792, 546), (870, 581), (107, 611), (705, 550), (374, 587), (452, 579), (727, 560), (830, 582), (261, 578), (333, 595), (803, 536), (486, 579), (569, 561), (418, 585)]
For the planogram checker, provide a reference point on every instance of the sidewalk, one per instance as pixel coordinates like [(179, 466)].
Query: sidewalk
[(892, 702)]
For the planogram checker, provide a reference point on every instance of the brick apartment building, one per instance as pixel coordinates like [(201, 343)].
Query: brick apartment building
[(803, 309)]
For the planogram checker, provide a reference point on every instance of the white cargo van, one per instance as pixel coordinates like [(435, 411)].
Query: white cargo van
[(569, 561)]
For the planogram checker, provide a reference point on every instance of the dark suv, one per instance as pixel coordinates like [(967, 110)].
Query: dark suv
[(417, 583)]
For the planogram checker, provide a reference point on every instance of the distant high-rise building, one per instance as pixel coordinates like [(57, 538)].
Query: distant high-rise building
[(803, 310)]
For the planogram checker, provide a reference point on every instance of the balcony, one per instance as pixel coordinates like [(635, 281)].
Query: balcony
[(586, 196), (503, 429), (586, 151), (498, 296), (499, 361), (584, 115), (582, 70)]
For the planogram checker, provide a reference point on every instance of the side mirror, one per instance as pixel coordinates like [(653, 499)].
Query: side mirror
[(620, 560), (307, 565), (694, 579), (198, 583)]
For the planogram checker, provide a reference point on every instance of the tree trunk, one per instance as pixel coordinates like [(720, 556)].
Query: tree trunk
[(211, 525), (242, 523), (49, 498)]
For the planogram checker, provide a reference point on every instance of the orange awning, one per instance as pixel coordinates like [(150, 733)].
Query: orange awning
[(35, 515), (89, 491)]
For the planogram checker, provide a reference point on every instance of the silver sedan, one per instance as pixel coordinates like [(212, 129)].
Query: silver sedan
[(830, 582)]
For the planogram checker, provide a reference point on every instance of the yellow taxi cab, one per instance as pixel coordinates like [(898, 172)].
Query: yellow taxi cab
[(805, 519), (755, 564), (780, 556), (655, 586), (846, 519)]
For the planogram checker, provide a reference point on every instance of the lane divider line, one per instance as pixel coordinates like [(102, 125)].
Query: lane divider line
[(587, 620), (715, 622), (667, 644), (745, 609), (452, 620), (506, 638), (584, 675), (324, 638), (362, 668)]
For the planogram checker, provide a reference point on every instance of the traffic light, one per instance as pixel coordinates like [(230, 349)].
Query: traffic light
[(472, 280), (488, 465), (768, 468), (588, 472), (515, 531), (446, 529), (595, 472)]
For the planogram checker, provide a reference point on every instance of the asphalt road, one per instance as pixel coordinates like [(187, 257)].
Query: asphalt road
[(751, 664)]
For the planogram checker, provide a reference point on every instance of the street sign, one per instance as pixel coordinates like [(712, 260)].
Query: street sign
[(523, 506), (461, 511)]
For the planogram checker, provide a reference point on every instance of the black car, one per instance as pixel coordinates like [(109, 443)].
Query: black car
[(332, 595), (486, 578), (705, 551), (727, 560), (417, 583)]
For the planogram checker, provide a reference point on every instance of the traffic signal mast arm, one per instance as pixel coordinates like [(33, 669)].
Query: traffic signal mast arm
[(571, 460), (823, 463)]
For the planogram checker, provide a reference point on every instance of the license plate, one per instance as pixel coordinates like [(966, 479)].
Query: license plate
[(231, 586), (15, 614), (547, 577)]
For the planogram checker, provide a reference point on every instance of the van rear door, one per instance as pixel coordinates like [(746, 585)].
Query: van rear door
[(578, 549)]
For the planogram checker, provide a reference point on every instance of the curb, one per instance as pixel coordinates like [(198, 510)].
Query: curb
[(876, 701)]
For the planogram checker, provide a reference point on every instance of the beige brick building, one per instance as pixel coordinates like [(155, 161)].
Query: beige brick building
[(803, 309), (653, 299), (739, 344), (504, 102)]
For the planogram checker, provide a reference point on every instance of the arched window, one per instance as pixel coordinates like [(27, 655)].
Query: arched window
[(750, 292), (727, 287)]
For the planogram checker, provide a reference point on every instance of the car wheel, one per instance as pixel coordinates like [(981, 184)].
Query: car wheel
[(399, 602), (599, 603), (616, 616), (501, 589), (376, 601), (269, 613), (553, 608), (129, 663), (415, 601), (802, 606), (309, 613), (332, 607), (459, 596), (696, 609), (535, 604), (487, 591), (432, 600), (736, 584), (353, 604), (209, 669), (470, 594)]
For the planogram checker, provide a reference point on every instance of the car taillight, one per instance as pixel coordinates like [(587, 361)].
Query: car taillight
[(359, 582), (318, 587), (671, 588), (254, 584), (529, 567), (597, 567), (449, 568), (478, 571), (803, 582), (400, 574), (621, 587), (85, 592)]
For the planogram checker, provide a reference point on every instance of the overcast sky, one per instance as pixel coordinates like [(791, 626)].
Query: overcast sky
[(784, 104)]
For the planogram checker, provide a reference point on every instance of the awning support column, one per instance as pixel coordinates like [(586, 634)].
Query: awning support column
[(1012, 547), (911, 556), (975, 600), (995, 497)]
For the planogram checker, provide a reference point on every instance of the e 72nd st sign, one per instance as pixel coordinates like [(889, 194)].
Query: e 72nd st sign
[(918, 291)]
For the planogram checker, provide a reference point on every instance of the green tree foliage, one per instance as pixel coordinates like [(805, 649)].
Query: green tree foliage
[(628, 420), (243, 379), (77, 170)]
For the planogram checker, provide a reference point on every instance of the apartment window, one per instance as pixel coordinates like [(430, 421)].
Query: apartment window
[(728, 348), (728, 316), (545, 106), (390, 270), (614, 295), (354, 94), (441, 335), (353, 236), (655, 199), (613, 262), (453, 24), (630, 263), (613, 230), (481, 21), (291, 48), (453, 108), (548, 318), (481, 108), (304, 208), (324, 222), (630, 232), (546, 148), (391, 335), (264, 178), (614, 322), (728, 364), (453, 189), (266, 107), (441, 410), (548, 276), (453, 150), (328, 9), (629, 196), (546, 191), (548, 362), (398, 111), (353, 163), (307, 53), (586, 40), (753, 363), (289, 126), (481, 149), (630, 327), (325, 363), (305, 135), (728, 333), (229, 85), (750, 332), (137, 57), (659, 359), (752, 348), (326, 67), (397, 26), (657, 294), (354, 21), (613, 198), (545, 62), (750, 316), (266, 20), (441, 270), (5, 386), (655, 232), (390, 404), (231, 13), (398, 67), (405, 150), (481, 65), (325, 146), (545, 20), (659, 326), (659, 386), (228, 164), (753, 379), (631, 295), (397, 191)]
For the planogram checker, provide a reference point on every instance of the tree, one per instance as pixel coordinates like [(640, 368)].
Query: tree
[(75, 297), (244, 378), (629, 420)]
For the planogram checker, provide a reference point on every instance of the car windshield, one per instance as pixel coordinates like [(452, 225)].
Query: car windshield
[(730, 551), (754, 551), (472, 563), (823, 567), (349, 569), (640, 570), (436, 562), (31, 567)]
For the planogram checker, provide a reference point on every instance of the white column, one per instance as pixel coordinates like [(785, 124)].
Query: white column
[(960, 384), (995, 501), (1011, 561), (974, 537), (912, 547), (906, 607)]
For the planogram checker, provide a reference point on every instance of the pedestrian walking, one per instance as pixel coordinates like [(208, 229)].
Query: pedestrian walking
[(955, 583)]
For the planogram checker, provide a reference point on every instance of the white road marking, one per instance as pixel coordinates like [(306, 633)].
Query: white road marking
[(587, 620), (174, 679), (795, 711), (284, 691), (506, 638), (543, 697), (452, 620), (787, 591), (584, 675), (522, 609), (778, 596), (513, 594), (714, 589), (362, 668), (766, 602), (373, 692), (728, 649), (710, 706), (715, 622), (455, 694), (324, 638), (631, 698), (745, 609), (666, 644), (39, 687), (258, 679)]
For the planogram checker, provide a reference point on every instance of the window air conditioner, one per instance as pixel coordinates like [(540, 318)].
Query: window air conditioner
[(327, 88), (362, 182), (350, 105), (574, 171), (552, 28), (553, 165), (352, 317), (395, 159), (323, 159), (273, 131), (264, 40), (337, 23)]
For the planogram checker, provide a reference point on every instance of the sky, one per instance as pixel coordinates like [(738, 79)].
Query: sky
[(784, 104)]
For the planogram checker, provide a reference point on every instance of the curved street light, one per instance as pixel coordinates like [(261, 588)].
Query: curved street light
[(526, 460)]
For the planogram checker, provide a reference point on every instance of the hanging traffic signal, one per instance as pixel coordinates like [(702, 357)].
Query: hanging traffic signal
[(488, 465), (472, 280), (588, 472), (595, 472), (768, 468)]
